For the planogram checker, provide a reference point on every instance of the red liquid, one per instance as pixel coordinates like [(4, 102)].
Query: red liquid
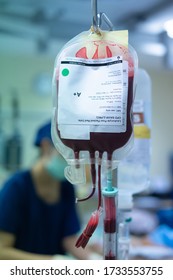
[(110, 258), (104, 142), (110, 215), (110, 225)]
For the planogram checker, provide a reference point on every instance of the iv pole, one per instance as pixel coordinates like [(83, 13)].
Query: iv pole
[(110, 193)]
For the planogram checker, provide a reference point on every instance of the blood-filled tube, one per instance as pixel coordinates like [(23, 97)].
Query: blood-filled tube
[(110, 229)]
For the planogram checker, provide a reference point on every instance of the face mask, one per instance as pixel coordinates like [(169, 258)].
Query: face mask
[(55, 167)]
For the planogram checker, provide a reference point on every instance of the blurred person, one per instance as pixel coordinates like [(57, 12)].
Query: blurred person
[(38, 215), (162, 236)]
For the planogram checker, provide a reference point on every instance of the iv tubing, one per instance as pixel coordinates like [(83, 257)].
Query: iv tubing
[(93, 173)]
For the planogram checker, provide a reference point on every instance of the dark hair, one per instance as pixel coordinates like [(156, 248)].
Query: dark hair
[(44, 132)]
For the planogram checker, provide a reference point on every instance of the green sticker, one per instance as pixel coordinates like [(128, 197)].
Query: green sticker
[(65, 72)]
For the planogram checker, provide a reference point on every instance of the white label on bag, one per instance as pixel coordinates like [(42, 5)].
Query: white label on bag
[(92, 96)]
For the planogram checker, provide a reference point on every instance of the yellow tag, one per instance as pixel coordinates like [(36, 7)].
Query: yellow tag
[(142, 131), (120, 36)]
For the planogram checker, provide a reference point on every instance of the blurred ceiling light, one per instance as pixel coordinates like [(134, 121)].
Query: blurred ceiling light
[(168, 42), (156, 49), (168, 26)]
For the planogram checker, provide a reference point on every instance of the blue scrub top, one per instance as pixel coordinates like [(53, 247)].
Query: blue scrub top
[(162, 235), (39, 227)]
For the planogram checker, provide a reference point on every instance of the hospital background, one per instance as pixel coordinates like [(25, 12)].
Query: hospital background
[(26, 74)]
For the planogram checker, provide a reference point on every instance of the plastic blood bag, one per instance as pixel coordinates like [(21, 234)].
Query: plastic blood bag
[(93, 89), (94, 84)]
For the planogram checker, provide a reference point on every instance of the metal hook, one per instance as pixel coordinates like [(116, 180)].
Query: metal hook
[(106, 20), (98, 17)]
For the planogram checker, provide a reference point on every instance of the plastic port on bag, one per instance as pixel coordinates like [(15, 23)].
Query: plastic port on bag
[(75, 174)]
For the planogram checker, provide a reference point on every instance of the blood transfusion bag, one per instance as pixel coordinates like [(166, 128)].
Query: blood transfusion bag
[(93, 90)]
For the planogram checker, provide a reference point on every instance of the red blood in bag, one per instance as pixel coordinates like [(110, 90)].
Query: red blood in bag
[(104, 141), (82, 53), (108, 51)]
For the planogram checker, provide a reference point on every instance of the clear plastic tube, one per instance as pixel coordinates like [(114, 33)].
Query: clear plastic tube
[(125, 204), (110, 246), (123, 239)]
